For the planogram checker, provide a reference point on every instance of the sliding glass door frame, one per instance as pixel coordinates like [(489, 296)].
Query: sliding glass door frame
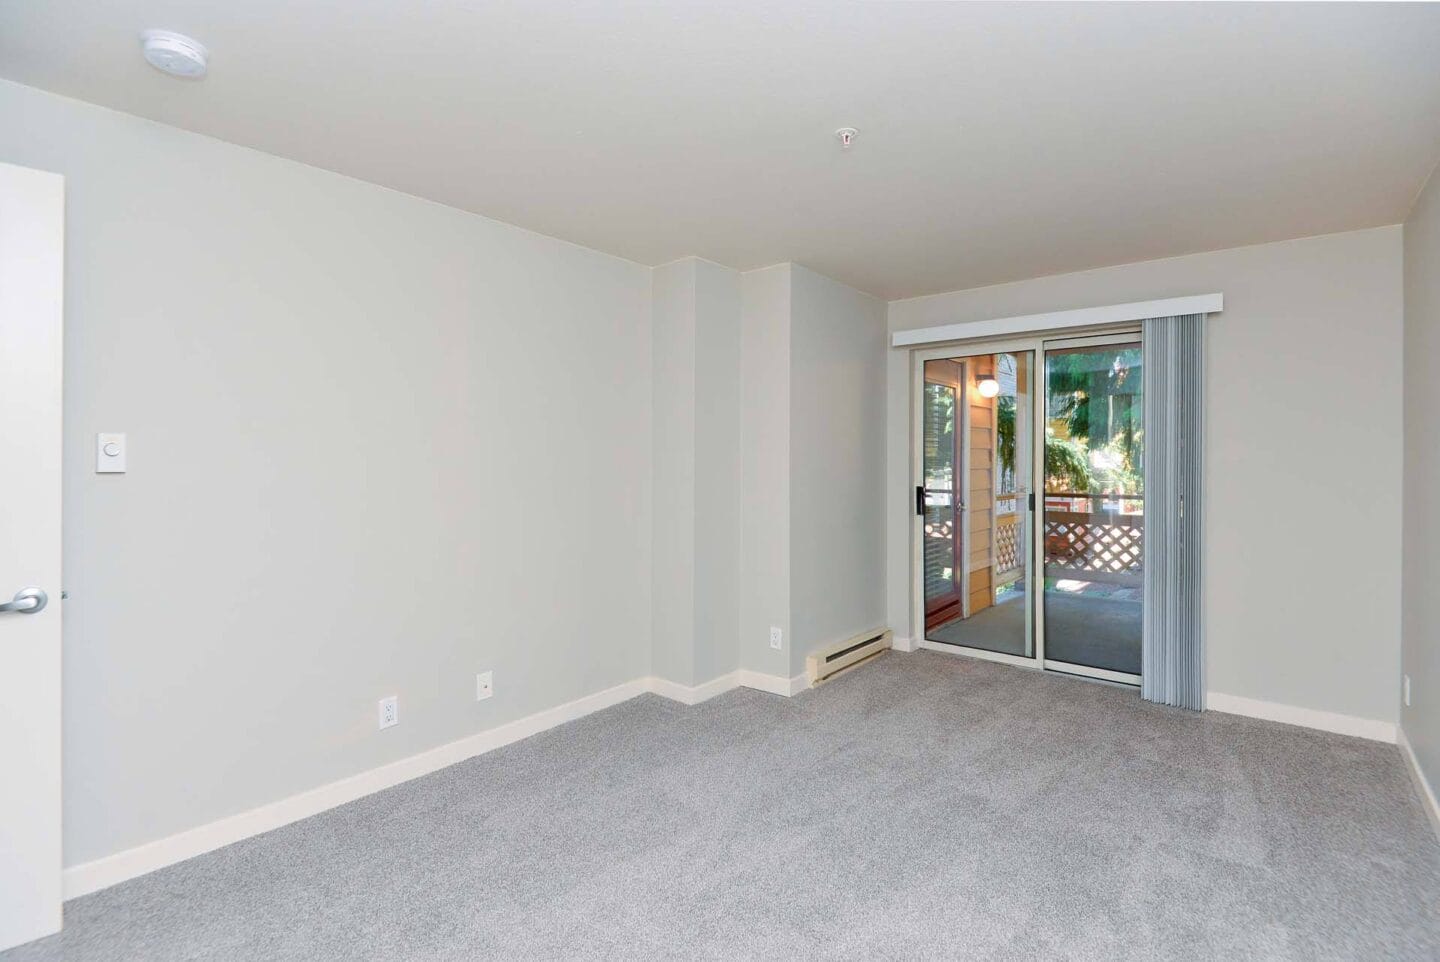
[(964, 352), (1125, 335)]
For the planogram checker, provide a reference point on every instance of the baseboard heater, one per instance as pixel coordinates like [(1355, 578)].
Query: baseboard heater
[(828, 662)]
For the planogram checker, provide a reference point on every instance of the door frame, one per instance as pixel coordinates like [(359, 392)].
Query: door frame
[(961, 351)]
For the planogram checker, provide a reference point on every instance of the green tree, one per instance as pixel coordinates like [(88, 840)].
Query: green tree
[(1067, 465), (1005, 440), (1097, 396)]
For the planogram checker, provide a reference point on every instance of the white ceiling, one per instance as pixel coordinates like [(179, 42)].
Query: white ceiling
[(997, 142)]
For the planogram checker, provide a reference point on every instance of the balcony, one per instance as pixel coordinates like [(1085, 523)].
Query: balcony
[(1094, 556)]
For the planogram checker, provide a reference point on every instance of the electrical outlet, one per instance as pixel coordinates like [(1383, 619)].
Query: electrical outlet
[(389, 711), (777, 639), (484, 685), (1407, 691)]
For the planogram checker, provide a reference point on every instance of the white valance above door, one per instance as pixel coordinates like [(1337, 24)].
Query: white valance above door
[(1060, 320)]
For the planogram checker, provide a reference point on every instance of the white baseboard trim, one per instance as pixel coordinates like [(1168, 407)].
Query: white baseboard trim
[(693, 695), (103, 872), (1380, 731), (1422, 784), (773, 684), (743, 678), (902, 644), (110, 870)]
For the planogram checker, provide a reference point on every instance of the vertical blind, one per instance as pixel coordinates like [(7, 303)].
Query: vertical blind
[(1173, 657)]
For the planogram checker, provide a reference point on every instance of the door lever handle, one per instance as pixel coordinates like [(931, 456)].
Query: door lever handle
[(27, 601)]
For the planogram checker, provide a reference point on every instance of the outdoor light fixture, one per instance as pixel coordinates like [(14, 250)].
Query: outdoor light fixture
[(987, 385)]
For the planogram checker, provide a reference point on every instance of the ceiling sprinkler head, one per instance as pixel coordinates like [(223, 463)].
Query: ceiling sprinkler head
[(846, 136)]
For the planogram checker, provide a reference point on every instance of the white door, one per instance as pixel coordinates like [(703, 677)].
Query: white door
[(32, 206)]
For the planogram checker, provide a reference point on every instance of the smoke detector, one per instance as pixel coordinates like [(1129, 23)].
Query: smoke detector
[(174, 53), (846, 136)]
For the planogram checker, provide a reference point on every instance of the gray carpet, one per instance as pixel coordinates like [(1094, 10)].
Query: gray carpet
[(924, 806)]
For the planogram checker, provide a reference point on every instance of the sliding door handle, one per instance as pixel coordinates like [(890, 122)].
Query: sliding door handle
[(27, 601), (920, 493)]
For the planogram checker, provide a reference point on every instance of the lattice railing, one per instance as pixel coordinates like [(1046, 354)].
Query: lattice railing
[(1097, 547), (1007, 543)]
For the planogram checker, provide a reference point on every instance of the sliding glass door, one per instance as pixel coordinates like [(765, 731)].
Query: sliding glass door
[(1094, 515), (974, 499), (1060, 416)]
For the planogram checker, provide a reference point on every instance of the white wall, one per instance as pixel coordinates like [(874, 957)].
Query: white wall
[(837, 471), (673, 445), (376, 445), (1303, 456), (765, 467), (769, 441), (696, 371), (717, 470), (1421, 617)]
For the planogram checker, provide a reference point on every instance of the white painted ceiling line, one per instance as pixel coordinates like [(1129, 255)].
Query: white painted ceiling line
[(1058, 320)]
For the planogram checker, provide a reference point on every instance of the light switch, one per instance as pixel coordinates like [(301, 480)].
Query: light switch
[(109, 454)]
